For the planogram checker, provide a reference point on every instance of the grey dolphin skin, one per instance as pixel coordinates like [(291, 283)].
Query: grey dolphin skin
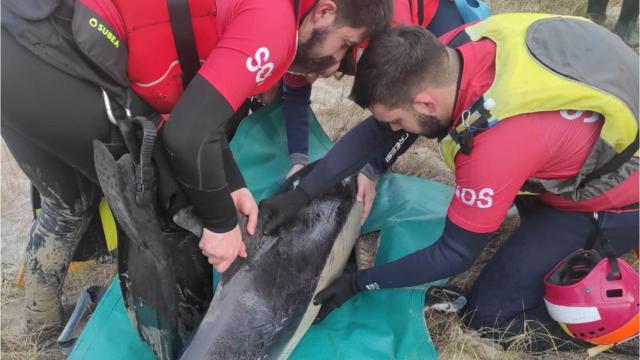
[(263, 304)]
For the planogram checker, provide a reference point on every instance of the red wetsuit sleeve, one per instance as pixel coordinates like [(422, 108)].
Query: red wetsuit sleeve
[(488, 179), (546, 145), (257, 44)]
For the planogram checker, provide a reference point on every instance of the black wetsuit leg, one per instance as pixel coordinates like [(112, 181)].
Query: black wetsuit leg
[(596, 10), (510, 289), (49, 120), (60, 113)]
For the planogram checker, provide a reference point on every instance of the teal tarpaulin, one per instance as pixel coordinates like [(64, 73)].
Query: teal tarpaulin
[(382, 324)]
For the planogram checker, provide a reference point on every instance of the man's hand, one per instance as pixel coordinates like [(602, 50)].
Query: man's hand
[(336, 294), (366, 195), (294, 169), (222, 249), (246, 205), (280, 209)]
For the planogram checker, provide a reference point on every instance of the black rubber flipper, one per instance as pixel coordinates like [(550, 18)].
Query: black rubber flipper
[(166, 282)]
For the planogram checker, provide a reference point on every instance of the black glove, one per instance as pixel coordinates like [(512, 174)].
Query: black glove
[(280, 209), (336, 294)]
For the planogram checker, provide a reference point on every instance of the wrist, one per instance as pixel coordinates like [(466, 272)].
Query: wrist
[(299, 198), (214, 207), (362, 281), (355, 287), (299, 159), (371, 172)]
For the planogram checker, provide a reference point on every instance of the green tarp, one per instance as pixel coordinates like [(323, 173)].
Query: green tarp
[(382, 324)]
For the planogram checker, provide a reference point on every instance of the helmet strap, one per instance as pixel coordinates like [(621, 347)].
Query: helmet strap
[(596, 234)]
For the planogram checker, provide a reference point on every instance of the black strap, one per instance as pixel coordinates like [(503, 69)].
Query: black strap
[(459, 39), (613, 164), (296, 9), (184, 39), (420, 12), (474, 119), (596, 234)]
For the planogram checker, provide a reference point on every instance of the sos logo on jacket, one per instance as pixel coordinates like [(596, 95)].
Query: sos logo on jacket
[(258, 64), (482, 199)]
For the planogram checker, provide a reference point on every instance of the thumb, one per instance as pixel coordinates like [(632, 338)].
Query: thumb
[(360, 194), (323, 296), (253, 221), (324, 311)]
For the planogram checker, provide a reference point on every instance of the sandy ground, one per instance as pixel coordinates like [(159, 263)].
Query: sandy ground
[(337, 115)]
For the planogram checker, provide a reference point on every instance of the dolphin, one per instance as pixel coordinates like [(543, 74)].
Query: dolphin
[(264, 304)]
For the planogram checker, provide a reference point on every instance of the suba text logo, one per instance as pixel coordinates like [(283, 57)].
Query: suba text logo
[(258, 64), (482, 199)]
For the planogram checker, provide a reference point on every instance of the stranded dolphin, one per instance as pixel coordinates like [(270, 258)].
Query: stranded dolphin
[(263, 304)]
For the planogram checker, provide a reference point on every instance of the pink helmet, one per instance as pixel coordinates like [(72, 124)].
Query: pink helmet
[(593, 298)]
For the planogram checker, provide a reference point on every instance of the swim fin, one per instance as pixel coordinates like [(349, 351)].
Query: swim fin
[(166, 282)]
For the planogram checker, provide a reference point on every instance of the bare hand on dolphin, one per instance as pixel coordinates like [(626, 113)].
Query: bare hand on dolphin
[(223, 248)]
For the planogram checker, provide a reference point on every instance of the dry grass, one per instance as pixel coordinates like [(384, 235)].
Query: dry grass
[(337, 115)]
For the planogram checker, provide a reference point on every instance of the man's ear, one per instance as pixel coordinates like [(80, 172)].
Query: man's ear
[(425, 103), (324, 13)]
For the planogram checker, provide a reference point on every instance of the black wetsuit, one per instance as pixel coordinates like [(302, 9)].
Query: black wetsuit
[(50, 118)]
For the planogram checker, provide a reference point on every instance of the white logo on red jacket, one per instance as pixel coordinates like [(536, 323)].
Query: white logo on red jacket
[(258, 64), (574, 114), (482, 199)]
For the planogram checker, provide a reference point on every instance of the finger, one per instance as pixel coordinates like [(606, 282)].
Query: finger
[(270, 226), (213, 261), (324, 311), (223, 266), (243, 251), (323, 296), (366, 209), (291, 172), (253, 220), (360, 194)]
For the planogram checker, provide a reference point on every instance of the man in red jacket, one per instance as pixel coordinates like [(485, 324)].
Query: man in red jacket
[(437, 16), (555, 152), (62, 55)]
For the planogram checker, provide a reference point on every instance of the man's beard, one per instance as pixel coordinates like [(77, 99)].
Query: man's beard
[(430, 126), (305, 62)]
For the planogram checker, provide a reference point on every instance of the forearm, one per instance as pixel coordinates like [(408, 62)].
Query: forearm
[(235, 180), (195, 141), (386, 156), (347, 157), (297, 116), (453, 253)]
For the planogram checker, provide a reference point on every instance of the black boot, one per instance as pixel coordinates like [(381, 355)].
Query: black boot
[(597, 11), (627, 25)]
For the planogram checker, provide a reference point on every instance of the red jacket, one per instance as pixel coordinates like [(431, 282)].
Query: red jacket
[(152, 62)]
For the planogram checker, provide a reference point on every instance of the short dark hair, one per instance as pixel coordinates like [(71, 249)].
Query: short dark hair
[(372, 15), (396, 64)]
